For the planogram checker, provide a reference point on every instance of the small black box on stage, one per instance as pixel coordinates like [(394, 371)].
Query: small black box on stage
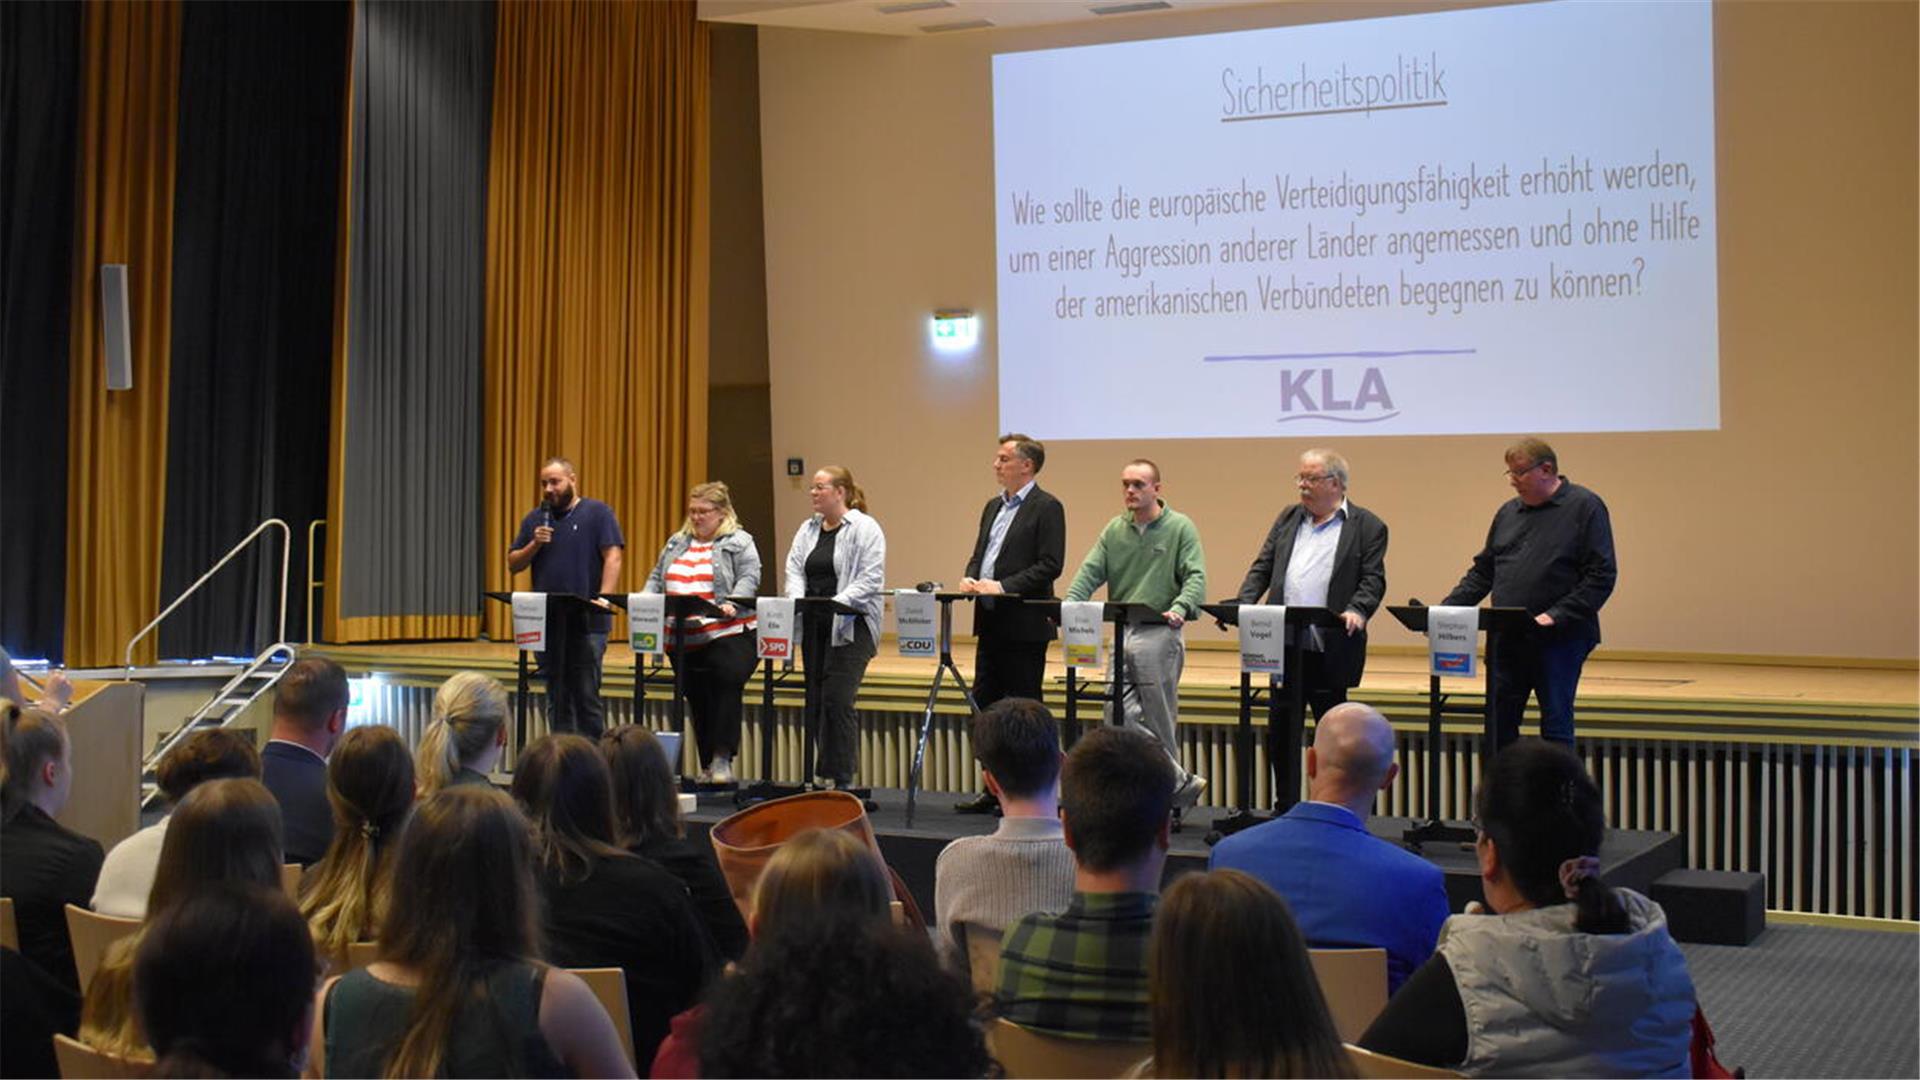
[(1713, 907)]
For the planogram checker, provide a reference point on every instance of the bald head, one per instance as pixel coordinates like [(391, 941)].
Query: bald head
[(1352, 756)]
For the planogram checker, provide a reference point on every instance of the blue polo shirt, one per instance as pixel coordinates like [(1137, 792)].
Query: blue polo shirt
[(571, 561)]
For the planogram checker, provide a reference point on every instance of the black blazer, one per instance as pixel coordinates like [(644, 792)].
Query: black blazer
[(1031, 555), (298, 780), (44, 866), (1359, 580)]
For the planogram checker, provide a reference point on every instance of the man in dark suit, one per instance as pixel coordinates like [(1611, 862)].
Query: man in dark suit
[(309, 712), (1019, 552), (1323, 551)]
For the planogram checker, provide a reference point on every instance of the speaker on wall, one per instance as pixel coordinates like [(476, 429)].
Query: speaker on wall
[(116, 329)]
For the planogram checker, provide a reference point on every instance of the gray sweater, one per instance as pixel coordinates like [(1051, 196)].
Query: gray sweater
[(993, 881)]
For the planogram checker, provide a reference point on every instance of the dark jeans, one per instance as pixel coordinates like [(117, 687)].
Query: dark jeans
[(1320, 694), (716, 673), (1004, 669), (572, 669), (835, 681), (1547, 668)]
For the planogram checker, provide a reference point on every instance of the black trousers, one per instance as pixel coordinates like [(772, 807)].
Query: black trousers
[(1004, 669), (833, 674), (1321, 692), (716, 674), (571, 666)]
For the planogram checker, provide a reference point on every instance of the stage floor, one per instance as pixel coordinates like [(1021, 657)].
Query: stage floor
[(1632, 859)]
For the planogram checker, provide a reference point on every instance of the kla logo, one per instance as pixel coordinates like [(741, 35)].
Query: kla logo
[(1315, 394)]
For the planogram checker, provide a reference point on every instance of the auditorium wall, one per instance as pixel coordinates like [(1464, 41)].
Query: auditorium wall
[(1791, 531)]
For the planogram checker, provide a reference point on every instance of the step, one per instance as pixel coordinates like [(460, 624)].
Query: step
[(1713, 907)]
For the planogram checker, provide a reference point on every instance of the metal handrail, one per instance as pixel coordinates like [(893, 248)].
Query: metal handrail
[(286, 563), (313, 584), (280, 652)]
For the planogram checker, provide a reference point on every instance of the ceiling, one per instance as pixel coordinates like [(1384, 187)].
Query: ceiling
[(913, 18)]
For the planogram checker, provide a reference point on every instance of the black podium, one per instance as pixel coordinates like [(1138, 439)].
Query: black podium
[(574, 606), (1494, 622), (679, 609), (1121, 616), (1286, 720), (945, 665)]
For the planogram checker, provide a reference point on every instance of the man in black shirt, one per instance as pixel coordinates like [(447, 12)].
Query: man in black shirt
[(1550, 551)]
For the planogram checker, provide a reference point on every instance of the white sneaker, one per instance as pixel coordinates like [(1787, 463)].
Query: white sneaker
[(1188, 794), (722, 772)]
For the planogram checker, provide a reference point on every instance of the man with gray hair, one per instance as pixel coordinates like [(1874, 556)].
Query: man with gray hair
[(1323, 551), (1348, 888)]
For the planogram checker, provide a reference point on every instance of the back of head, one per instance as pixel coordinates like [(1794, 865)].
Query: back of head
[(206, 755), (1116, 790), (224, 830), (563, 785), (842, 998), (1353, 751), (469, 712), (223, 981), (646, 803), (370, 787), (312, 690), (1017, 741), (464, 866), (821, 875), (29, 738), (1216, 1014), (1543, 812)]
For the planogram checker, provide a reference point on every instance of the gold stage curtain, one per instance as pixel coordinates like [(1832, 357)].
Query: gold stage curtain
[(596, 339), (117, 441)]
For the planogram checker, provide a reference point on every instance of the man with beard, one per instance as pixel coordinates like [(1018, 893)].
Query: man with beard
[(574, 546)]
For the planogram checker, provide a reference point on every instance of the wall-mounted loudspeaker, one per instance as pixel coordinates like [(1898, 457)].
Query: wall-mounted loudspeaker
[(116, 327)]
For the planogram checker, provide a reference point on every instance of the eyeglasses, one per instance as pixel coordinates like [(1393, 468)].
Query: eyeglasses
[(702, 511), (1518, 473), (821, 487), (1303, 478)]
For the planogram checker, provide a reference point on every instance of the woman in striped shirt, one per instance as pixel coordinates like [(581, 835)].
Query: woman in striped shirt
[(713, 558)]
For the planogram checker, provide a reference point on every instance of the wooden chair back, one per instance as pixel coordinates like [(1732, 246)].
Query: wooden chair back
[(1354, 982), (9, 926), (610, 986), (290, 875), (983, 957), (1025, 1053), (78, 1061), (361, 953), (1368, 1065), (91, 934)]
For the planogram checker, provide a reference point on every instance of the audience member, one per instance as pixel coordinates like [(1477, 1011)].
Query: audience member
[(606, 907), (44, 866), (127, 875), (223, 981), (987, 882), (646, 811), (370, 786), (1083, 973), (55, 695), (463, 742), (458, 990), (1216, 1014), (224, 831), (309, 712), (1566, 977), (833, 988), (1348, 888), (820, 875)]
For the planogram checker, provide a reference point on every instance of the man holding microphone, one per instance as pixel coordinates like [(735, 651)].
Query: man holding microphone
[(574, 546)]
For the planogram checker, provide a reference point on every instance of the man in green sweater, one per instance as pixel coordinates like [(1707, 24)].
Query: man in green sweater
[(1150, 554)]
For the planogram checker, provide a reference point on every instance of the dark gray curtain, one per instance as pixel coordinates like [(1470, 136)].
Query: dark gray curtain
[(409, 532)]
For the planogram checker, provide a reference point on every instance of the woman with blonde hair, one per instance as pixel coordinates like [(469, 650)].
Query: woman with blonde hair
[(839, 553), (468, 731), (713, 558), (223, 831), (370, 787), (1215, 1014), (459, 989)]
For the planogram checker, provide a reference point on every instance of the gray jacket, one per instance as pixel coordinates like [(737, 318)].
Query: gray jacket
[(736, 564), (1543, 999), (859, 570)]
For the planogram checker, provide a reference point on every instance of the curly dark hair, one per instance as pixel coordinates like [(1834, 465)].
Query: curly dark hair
[(842, 998)]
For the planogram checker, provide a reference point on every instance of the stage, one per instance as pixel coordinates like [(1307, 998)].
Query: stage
[(1630, 859)]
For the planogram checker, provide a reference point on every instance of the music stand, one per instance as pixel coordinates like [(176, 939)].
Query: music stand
[(1121, 616), (767, 787), (1494, 621), (680, 608), (1286, 718), (945, 665), (569, 602)]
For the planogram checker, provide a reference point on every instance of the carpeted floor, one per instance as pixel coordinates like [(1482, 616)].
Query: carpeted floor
[(1814, 1001)]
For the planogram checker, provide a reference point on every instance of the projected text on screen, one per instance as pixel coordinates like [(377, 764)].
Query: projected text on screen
[(1497, 220)]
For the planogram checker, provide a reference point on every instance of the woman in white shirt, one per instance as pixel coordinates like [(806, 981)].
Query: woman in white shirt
[(127, 874), (841, 553), (713, 558)]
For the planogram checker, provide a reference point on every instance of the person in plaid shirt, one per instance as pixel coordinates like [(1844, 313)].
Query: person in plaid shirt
[(1083, 972)]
